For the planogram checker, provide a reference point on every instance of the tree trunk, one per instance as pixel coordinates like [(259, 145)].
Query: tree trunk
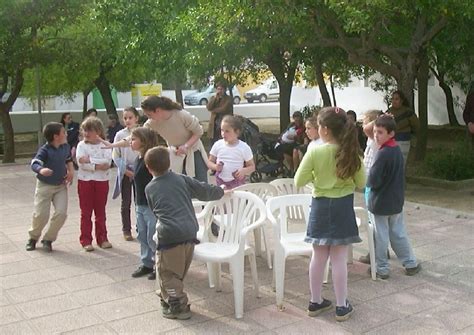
[(103, 86), (321, 84), (422, 136), (178, 91), (332, 91), (85, 95), (449, 103), (285, 94), (8, 134)]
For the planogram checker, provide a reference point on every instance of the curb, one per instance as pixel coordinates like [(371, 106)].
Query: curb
[(467, 184)]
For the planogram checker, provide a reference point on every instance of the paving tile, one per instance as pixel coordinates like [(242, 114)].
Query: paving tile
[(66, 321), (18, 328), (223, 325), (25, 279), (12, 268), (84, 282), (9, 314), (13, 257), (34, 292), (122, 308), (271, 318), (94, 330), (312, 325), (102, 294), (147, 323), (46, 306)]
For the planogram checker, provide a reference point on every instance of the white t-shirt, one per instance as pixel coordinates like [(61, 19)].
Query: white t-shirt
[(125, 153), (315, 143), (369, 154), (97, 155), (233, 156), (289, 135)]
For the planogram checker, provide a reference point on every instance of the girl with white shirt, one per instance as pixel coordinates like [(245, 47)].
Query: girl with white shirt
[(93, 182)]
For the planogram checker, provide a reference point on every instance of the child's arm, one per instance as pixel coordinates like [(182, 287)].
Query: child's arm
[(203, 191), (376, 175), (245, 171), (212, 164), (37, 164), (369, 129), (121, 144), (304, 174), (70, 173), (360, 177)]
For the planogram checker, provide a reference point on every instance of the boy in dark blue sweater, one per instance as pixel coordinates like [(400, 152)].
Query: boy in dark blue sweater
[(386, 181), (54, 170)]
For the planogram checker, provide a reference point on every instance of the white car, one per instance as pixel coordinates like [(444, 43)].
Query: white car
[(269, 90), (203, 95)]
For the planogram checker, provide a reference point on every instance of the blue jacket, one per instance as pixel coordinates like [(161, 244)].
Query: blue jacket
[(52, 158)]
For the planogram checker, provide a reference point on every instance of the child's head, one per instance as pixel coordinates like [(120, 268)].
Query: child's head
[(66, 118), (92, 129), (91, 112), (311, 126), (130, 117), (54, 131), (298, 118), (112, 120), (143, 139), (231, 128), (384, 129), (371, 115), (157, 160), (352, 116)]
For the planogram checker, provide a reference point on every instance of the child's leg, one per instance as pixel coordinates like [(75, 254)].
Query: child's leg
[(42, 205), (125, 205), (400, 242), (100, 201), (316, 271), (381, 244), (172, 266), (146, 253), (338, 255), (86, 203), (60, 213)]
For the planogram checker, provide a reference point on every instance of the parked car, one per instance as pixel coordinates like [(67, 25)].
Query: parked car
[(269, 90), (203, 95)]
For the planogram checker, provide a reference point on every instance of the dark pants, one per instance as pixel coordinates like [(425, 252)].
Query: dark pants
[(127, 185), (200, 167)]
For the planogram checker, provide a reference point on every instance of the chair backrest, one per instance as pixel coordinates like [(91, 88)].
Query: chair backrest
[(264, 191), (286, 186), (235, 212), (278, 210)]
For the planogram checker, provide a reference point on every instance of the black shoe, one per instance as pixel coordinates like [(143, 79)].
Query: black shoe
[(315, 309), (47, 245), (152, 276), (180, 313), (413, 271), (378, 275), (343, 313), (31, 245), (215, 229), (142, 271)]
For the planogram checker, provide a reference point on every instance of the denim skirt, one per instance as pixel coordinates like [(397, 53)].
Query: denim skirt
[(332, 221)]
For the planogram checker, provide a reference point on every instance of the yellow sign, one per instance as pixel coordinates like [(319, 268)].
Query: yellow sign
[(141, 91)]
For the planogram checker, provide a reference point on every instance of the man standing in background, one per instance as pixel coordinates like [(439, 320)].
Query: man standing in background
[(219, 106)]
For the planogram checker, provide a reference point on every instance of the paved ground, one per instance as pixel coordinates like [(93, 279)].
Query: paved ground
[(70, 291)]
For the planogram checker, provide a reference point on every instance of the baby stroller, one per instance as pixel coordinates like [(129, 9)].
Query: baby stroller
[(268, 161)]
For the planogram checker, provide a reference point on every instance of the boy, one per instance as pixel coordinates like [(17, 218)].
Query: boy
[(386, 181), (169, 197), (54, 170)]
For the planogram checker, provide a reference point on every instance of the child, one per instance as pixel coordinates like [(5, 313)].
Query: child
[(143, 139), (360, 132), (386, 182), (54, 170), (93, 182), (169, 196), (335, 169), (231, 158), (311, 126), (290, 139), (113, 127), (124, 159)]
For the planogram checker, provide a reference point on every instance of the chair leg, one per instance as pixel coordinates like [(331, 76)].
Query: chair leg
[(218, 276), (326, 273), (257, 234), (279, 271), (211, 272), (253, 269), (267, 249), (237, 270)]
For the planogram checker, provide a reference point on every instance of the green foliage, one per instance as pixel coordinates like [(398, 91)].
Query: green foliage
[(308, 111), (455, 163)]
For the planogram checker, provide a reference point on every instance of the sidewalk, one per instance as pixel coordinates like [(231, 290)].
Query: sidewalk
[(73, 292)]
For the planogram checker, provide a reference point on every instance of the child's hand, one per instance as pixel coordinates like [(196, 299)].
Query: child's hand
[(68, 178), (238, 174), (219, 166), (46, 172), (102, 167), (129, 174), (84, 160), (107, 144)]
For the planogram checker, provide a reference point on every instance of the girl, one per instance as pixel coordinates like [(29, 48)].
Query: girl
[(290, 139), (182, 132), (231, 158), (143, 139), (335, 169), (124, 159), (93, 182), (311, 126)]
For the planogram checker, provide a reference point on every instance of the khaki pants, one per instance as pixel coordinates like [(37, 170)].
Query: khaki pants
[(172, 266), (46, 194)]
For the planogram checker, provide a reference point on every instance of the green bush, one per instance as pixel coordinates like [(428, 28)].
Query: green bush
[(455, 163)]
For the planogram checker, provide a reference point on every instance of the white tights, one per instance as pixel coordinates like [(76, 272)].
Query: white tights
[(338, 257)]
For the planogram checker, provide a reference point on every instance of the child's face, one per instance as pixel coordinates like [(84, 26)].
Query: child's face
[(298, 121), (311, 131), (91, 136), (229, 134), (129, 119), (381, 135), (61, 138), (135, 143)]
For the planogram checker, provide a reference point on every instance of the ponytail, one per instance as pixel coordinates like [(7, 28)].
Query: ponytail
[(348, 160)]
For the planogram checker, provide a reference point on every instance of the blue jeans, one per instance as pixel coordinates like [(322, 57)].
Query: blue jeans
[(146, 227), (392, 227)]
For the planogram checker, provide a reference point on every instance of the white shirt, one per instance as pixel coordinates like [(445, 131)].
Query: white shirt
[(126, 153), (232, 155), (97, 155), (369, 154), (314, 143)]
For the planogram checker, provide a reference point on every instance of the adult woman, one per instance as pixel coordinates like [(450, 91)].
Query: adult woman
[(72, 130), (182, 132)]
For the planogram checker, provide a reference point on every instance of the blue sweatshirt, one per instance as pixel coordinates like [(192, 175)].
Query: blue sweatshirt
[(52, 158)]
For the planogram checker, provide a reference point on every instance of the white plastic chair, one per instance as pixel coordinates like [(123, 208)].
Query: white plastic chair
[(264, 191), (286, 243), (287, 186), (238, 213)]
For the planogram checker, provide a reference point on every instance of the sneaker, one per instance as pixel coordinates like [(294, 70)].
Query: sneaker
[(164, 305), (47, 245), (106, 245), (88, 248), (413, 271), (365, 259), (379, 275), (315, 309), (343, 313), (142, 271), (30, 245), (152, 276), (180, 313), (127, 236)]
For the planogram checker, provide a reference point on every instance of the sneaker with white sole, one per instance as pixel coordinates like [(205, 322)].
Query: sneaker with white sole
[(106, 245), (88, 247), (315, 309), (343, 313)]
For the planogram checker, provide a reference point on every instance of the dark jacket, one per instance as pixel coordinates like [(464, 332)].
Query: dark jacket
[(219, 106), (170, 198), (52, 158), (387, 181), (407, 122), (72, 131)]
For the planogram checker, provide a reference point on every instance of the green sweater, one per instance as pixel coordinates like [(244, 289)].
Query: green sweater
[(319, 167)]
